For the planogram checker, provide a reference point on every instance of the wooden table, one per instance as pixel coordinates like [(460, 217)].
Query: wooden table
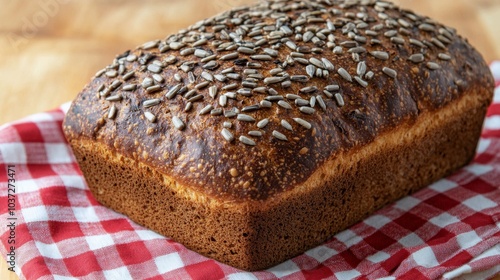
[(48, 52)]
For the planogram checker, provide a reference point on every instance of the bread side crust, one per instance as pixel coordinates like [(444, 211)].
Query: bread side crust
[(254, 235)]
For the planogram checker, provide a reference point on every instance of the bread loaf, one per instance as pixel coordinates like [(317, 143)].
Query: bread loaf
[(255, 135)]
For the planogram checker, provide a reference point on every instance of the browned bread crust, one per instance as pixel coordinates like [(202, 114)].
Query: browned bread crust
[(364, 104)]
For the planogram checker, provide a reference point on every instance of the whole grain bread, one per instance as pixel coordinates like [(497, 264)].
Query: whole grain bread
[(259, 133)]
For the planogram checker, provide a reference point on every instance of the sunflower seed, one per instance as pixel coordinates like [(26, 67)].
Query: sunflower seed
[(361, 69), (112, 73), (299, 78), (229, 56), (438, 43), (188, 107), (216, 112), (332, 87), (340, 99), (357, 50), (311, 70), (338, 50), (344, 74), (245, 118), (263, 123), (128, 75), (292, 96), (200, 42), (426, 27), (390, 72), (321, 102), (417, 43), (151, 102), (207, 76), (284, 104), (223, 100), (273, 80), (147, 82), (265, 104), (150, 116), (255, 133), (316, 62), (416, 58), (178, 123), (279, 135), (444, 56), (154, 68), (303, 123), (112, 112), (227, 135), (274, 98), (271, 52), (250, 108), (369, 75), (195, 98), (153, 89), (380, 55), (360, 81), (212, 91), (247, 141), (129, 87), (328, 64), (173, 91), (206, 109), (391, 33), (433, 65), (261, 57), (227, 124), (246, 50), (286, 125), (301, 102), (307, 110)]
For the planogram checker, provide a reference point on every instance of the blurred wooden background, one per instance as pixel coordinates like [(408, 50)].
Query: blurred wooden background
[(49, 49)]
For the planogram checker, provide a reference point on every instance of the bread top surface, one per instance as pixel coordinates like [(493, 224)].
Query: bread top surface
[(247, 104)]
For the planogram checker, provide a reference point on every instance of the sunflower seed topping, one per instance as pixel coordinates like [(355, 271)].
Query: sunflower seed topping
[(416, 58), (207, 76), (444, 56), (153, 89), (307, 110), (229, 56), (286, 125), (284, 104), (344, 74), (303, 123), (206, 109), (212, 91), (263, 123), (151, 102), (227, 135), (265, 104), (250, 108), (361, 69), (321, 102), (380, 55), (340, 99), (150, 117), (264, 57), (255, 133), (112, 112), (247, 141), (178, 123), (390, 72), (245, 118), (433, 65), (173, 91)]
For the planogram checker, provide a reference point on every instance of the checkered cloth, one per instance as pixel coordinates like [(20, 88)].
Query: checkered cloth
[(450, 229)]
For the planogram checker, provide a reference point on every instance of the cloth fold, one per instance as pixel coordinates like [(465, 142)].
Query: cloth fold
[(450, 229)]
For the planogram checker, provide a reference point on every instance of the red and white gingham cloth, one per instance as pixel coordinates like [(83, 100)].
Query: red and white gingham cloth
[(448, 230)]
